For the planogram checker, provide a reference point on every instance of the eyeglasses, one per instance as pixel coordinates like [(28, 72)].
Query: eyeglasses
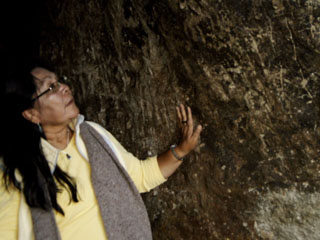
[(54, 87)]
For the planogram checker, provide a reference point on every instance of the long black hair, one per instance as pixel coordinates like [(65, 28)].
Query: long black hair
[(21, 145)]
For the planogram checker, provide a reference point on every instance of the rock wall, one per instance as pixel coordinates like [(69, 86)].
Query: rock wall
[(250, 72)]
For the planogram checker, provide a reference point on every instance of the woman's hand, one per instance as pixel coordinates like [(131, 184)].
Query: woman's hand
[(168, 161), (190, 136)]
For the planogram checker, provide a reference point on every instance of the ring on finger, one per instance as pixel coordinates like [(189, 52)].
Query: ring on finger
[(184, 122)]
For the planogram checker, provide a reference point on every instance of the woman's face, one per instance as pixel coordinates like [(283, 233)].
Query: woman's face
[(57, 107)]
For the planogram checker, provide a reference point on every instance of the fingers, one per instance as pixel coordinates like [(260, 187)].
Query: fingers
[(190, 136), (197, 132), (190, 122), (179, 114), (181, 117), (183, 113)]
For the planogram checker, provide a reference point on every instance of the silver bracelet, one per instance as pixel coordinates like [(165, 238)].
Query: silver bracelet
[(172, 148)]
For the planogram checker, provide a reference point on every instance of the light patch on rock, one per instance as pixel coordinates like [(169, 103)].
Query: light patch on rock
[(288, 214)]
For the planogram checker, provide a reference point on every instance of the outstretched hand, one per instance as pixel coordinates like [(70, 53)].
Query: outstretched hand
[(169, 160), (190, 136)]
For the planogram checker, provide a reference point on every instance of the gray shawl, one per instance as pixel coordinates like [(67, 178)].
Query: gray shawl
[(123, 212)]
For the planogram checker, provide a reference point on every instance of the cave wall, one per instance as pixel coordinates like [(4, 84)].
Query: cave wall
[(250, 72)]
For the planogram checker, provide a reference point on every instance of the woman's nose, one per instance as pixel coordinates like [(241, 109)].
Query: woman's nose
[(65, 88)]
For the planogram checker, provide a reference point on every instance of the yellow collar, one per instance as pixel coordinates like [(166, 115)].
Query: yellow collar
[(50, 152)]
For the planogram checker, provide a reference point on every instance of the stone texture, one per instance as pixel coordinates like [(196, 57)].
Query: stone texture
[(288, 214), (250, 72)]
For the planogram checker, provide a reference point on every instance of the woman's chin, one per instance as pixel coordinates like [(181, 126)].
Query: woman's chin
[(75, 113)]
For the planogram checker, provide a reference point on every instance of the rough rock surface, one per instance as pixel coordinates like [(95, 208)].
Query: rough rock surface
[(250, 72)]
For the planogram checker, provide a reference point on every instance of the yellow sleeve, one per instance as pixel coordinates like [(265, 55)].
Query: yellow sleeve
[(145, 174), (9, 212)]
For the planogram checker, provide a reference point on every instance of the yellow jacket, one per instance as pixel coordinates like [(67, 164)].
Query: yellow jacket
[(13, 207)]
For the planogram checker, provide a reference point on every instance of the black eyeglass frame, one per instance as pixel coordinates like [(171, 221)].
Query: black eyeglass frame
[(46, 91)]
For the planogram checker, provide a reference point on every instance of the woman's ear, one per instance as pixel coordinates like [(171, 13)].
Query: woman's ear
[(32, 115)]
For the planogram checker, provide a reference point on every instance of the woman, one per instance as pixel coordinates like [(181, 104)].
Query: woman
[(66, 178)]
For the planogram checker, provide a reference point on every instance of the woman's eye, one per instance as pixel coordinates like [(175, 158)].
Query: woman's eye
[(52, 86), (56, 86)]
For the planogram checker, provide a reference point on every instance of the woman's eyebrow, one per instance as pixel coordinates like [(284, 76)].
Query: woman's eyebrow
[(50, 76), (42, 82)]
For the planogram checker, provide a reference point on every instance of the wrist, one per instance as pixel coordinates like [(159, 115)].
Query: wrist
[(180, 152), (176, 152)]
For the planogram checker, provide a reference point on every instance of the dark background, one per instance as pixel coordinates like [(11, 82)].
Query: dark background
[(248, 69)]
